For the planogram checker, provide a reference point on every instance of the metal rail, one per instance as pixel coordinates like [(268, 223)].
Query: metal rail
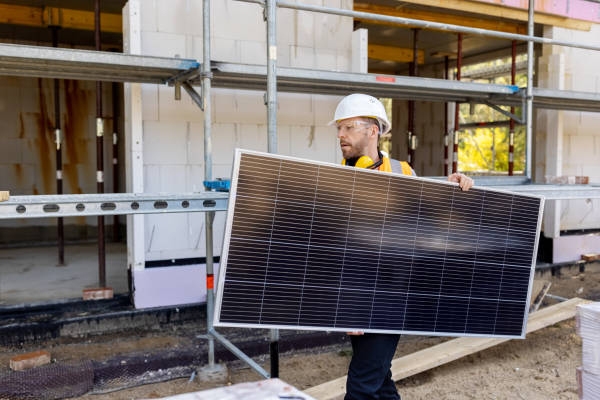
[(554, 192), (416, 23), (240, 76), (75, 205), (299, 80), (48, 62)]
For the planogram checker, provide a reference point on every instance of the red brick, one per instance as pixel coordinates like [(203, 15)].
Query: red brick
[(97, 293), (29, 360)]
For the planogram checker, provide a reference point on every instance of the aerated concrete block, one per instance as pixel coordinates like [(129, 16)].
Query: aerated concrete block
[(97, 293), (171, 109), (150, 102), (172, 16), (195, 144), (29, 360), (250, 107), (225, 50), (161, 44), (253, 52), (238, 20), (165, 142), (302, 57)]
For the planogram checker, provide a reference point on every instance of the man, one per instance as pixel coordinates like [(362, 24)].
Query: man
[(360, 120)]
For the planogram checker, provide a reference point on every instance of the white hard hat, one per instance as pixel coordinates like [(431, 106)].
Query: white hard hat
[(362, 105)]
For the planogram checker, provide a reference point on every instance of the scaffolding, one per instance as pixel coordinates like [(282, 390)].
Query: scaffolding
[(47, 62)]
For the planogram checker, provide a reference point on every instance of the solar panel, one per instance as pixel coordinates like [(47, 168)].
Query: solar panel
[(318, 246)]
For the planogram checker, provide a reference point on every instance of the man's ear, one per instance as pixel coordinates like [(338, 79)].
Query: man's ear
[(374, 130)]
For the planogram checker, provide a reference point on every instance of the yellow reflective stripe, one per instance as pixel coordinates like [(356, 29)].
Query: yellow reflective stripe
[(406, 168), (386, 166)]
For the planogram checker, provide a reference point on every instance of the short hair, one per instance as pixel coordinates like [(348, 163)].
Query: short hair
[(373, 121)]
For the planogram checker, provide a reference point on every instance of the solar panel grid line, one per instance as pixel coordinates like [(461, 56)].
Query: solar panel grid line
[(345, 248), (404, 300), (377, 276), (269, 252), (370, 268), (504, 261), (306, 259), (444, 259)]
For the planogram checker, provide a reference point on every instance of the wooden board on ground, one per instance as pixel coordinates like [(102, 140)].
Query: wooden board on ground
[(591, 257), (538, 292), (536, 288), (4, 195), (451, 350)]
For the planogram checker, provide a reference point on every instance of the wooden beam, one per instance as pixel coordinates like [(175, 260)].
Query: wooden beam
[(398, 54), (451, 350), (65, 18), (501, 11), (20, 15), (84, 20), (444, 18)]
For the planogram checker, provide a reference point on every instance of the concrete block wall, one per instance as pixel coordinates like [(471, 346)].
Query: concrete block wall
[(173, 146), (568, 142)]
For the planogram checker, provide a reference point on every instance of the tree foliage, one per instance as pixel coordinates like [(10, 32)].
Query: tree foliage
[(485, 149)]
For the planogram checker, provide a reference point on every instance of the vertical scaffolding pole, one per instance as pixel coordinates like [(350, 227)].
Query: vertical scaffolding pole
[(60, 230), (115, 152), (210, 215), (457, 105), (99, 155), (271, 100), (446, 116), (529, 92), (271, 16), (412, 138), (511, 130), (99, 152), (204, 102)]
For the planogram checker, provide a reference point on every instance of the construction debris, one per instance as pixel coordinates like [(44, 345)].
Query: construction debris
[(590, 257), (98, 293), (568, 180)]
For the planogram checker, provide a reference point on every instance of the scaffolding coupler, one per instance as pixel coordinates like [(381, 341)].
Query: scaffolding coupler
[(219, 185)]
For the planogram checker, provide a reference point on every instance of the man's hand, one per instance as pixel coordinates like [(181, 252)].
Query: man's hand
[(464, 182), (356, 333)]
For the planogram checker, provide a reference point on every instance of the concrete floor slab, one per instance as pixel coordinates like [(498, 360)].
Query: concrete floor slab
[(31, 275)]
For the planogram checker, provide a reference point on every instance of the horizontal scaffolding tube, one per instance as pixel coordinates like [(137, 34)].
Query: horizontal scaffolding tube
[(72, 205), (415, 23)]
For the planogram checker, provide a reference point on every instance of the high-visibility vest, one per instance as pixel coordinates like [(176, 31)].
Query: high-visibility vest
[(387, 165), (398, 167)]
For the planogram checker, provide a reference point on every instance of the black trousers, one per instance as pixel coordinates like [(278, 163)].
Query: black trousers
[(369, 374)]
